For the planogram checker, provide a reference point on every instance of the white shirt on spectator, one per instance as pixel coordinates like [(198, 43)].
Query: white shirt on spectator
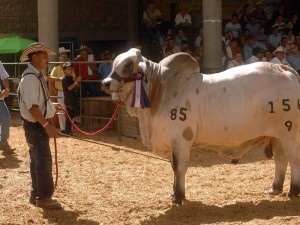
[(183, 19), (275, 60)]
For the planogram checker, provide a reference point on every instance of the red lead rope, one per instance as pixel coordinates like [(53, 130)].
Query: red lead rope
[(61, 108)]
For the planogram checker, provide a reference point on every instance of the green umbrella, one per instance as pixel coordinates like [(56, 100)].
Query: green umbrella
[(14, 44)]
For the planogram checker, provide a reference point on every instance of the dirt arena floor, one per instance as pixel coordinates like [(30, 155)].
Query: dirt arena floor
[(105, 181)]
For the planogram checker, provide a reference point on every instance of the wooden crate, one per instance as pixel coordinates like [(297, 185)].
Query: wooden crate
[(96, 112), (129, 126)]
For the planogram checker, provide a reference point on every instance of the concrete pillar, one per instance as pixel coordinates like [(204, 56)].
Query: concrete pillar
[(212, 34), (48, 24), (48, 32)]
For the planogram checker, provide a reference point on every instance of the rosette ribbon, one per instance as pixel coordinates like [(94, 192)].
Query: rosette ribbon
[(140, 98)]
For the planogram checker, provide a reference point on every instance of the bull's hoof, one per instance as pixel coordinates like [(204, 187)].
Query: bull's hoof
[(294, 191), (273, 191), (176, 201)]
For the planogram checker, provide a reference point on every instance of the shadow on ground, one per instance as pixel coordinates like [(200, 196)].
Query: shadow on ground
[(198, 213), (66, 217)]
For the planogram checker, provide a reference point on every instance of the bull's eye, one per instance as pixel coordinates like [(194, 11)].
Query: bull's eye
[(128, 68)]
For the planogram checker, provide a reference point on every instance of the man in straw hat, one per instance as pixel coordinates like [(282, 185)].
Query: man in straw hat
[(279, 56), (33, 96)]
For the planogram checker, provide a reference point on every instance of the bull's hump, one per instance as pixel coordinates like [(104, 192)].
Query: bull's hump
[(181, 62)]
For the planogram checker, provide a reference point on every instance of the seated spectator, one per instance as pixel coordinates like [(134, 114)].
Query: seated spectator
[(257, 56), (199, 39), (163, 38), (290, 36), (186, 50), (168, 51), (183, 21), (227, 37), (294, 24), (234, 26), (152, 16), (184, 44), (280, 24), (105, 68), (294, 57), (253, 26), (280, 11), (274, 38), (259, 13), (180, 37), (236, 61), (245, 15), (232, 49), (279, 57), (246, 33), (284, 44), (251, 44), (87, 71), (262, 37), (268, 55), (171, 44)]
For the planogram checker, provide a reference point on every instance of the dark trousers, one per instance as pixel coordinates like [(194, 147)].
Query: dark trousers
[(42, 185)]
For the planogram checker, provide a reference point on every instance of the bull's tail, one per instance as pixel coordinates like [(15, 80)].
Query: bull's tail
[(287, 68)]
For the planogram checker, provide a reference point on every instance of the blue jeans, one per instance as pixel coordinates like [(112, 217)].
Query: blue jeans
[(42, 185), (5, 123)]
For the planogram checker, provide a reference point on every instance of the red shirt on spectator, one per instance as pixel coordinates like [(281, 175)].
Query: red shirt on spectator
[(87, 70)]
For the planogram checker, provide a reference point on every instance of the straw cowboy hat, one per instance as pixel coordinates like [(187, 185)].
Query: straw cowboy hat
[(279, 49), (63, 50), (35, 47)]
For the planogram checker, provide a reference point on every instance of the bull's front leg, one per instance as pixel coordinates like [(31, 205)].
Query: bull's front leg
[(179, 160)]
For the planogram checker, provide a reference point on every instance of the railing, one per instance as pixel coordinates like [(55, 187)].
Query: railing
[(14, 79)]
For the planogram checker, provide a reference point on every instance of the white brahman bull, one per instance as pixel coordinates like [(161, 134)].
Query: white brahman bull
[(229, 111)]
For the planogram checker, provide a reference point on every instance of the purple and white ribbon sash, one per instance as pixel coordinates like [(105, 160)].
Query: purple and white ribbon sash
[(140, 98)]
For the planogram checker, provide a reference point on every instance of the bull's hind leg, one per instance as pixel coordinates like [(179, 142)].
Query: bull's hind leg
[(292, 152), (280, 169), (294, 161), (179, 159)]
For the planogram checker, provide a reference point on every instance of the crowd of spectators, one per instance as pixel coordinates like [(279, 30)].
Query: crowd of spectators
[(249, 36), (260, 38)]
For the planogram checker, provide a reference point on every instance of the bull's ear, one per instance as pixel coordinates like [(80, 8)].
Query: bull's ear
[(136, 51)]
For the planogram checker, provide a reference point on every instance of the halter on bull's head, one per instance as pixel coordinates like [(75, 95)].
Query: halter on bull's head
[(128, 72)]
